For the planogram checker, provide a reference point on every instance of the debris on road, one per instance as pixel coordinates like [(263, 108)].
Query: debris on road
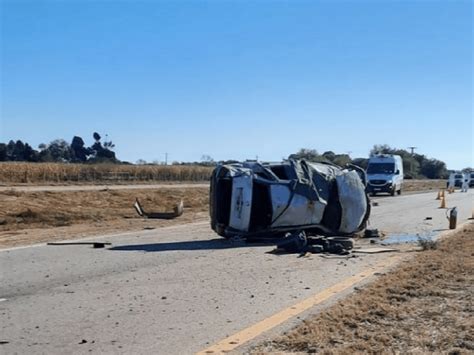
[(95, 245), (299, 242), (371, 233), (374, 250), (177, 211)]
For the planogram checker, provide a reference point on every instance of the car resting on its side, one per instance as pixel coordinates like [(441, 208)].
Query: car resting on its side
[(253, 199)]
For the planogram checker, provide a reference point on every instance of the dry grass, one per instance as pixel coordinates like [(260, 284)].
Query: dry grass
[(45, 173), (423, 185), (22, 210), (424, 306)]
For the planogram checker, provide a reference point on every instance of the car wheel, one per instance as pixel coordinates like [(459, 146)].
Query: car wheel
[(399, 191), (392, 193)]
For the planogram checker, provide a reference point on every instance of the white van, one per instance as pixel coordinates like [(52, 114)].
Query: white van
[(455, 179), (385, 174)]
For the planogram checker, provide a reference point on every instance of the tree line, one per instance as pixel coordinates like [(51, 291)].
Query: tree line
[(60, 151), (414, 165)]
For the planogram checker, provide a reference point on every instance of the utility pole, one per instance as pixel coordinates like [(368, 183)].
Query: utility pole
[(411, 161), (166, 158)]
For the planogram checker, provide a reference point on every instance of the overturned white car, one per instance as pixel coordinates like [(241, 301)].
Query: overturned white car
[(252, 199)]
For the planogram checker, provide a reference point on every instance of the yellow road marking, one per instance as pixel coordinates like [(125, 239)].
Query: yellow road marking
[(245, 335)]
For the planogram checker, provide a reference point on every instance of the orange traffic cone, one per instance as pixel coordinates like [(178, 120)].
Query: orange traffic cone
[(442, 193), (439, 195), (443, 203)]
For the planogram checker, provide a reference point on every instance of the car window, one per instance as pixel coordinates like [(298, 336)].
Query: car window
[(381, 168)]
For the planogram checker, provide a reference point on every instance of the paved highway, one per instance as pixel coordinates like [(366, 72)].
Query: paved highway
[(175, 290)]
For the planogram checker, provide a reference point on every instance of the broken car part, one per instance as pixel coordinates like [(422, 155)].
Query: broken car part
[(177, 211)]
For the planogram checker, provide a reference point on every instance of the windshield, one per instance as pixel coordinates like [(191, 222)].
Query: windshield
[(458, 176), (381, 168)]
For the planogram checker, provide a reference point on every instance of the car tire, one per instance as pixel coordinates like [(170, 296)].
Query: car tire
[(399, 192), (392, 193)]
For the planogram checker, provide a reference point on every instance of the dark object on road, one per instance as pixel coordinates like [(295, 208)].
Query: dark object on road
[(294, 243), (299, 242), (177, 211), (95, 245), (259, 199), (428, 218), (371, 233), (374, 250)]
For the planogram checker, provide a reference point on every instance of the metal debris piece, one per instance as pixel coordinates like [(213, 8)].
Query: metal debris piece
[(177, 211)]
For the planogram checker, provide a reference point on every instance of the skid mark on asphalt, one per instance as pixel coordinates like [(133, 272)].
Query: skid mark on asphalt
[(232, 342)]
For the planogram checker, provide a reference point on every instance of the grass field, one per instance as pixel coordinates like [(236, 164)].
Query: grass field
[(14, 173), (424, 306), (56, 173)]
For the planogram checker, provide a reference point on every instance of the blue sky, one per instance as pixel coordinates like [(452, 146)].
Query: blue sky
[(237, 79)]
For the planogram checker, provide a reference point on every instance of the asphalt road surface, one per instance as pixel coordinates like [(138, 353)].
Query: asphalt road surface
[(174, 290)]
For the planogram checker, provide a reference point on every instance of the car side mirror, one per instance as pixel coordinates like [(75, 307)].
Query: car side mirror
[(397, 172)]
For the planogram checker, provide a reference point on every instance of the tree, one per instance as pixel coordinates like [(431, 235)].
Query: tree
[(102, 153), (361, 162), (57, 151), (3, 152), (96, 136), (207, 160), (78, 150), (434, 169), (329, 155), (307, 154), (342, 159), (381, 149), (29, 154)]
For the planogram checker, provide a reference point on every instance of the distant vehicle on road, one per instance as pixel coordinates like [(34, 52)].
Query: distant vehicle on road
[(471, 178), (385, 174), (455, 179), (254, 199)]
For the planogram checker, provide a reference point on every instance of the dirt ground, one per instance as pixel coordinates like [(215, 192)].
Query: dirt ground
[(424, 306), (33, 217), (423, 185)]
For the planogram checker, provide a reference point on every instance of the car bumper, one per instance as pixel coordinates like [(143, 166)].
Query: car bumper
[(379, 188)]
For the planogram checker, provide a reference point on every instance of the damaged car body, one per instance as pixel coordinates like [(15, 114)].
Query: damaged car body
[(252, 199)]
